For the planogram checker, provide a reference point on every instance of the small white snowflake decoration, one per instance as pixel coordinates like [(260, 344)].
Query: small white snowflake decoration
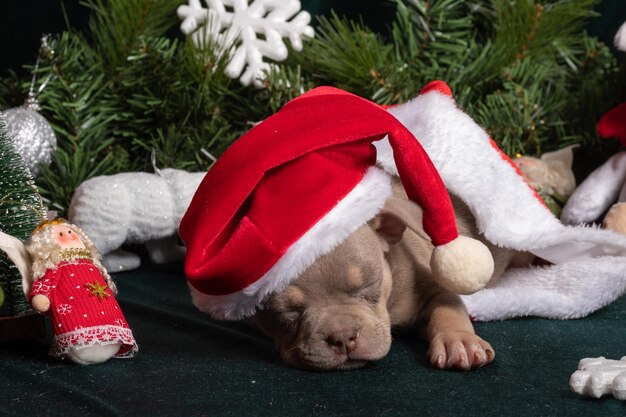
[(596, 377), (254, 29), (64, 309)]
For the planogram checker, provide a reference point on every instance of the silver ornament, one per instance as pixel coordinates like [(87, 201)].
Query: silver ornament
[(32, 134)]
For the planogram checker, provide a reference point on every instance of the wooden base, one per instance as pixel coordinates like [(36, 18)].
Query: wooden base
[(30, 327)]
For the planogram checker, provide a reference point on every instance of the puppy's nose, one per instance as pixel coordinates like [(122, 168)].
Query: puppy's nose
[(343, 341)]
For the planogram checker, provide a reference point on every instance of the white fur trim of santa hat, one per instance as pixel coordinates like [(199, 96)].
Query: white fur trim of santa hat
[(567, 291)]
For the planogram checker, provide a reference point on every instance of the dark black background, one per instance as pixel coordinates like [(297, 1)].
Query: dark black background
[(22, 22)]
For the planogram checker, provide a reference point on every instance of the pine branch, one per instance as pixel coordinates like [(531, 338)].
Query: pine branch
[(524, 70), (347, 53), (165, 96), (284, 83), (115, 26)]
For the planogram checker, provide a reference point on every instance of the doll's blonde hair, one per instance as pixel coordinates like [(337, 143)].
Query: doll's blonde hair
[(46, 254)]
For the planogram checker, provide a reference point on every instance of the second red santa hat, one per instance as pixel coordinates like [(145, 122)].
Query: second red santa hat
[(296, 186)]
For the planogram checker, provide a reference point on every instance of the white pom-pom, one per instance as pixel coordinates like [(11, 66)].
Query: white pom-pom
[(462, 266), (620, 38)]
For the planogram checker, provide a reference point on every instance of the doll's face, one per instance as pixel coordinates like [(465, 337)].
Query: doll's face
[(66, 237)]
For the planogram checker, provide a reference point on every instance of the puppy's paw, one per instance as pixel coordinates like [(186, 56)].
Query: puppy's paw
[(460, 350)]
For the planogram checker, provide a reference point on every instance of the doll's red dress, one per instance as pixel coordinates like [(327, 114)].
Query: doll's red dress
[(83, 310)]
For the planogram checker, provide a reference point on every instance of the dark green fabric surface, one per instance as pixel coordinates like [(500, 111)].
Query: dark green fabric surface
[(189, 365)]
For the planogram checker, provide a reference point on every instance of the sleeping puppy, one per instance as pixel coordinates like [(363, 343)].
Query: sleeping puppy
[(339, 313)]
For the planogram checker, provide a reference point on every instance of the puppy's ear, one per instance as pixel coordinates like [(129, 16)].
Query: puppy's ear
[(388, 227), (395, 217)]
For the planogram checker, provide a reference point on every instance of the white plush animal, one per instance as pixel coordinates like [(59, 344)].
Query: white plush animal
[(135, 207)]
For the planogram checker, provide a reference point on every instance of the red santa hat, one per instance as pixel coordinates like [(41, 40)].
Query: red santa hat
[(587, 267), (613, 124), (296, 186)]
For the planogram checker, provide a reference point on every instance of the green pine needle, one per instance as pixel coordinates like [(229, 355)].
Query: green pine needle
[(21, 210)]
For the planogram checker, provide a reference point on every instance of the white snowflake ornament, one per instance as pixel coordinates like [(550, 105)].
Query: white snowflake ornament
[(237, 24), (596, 377), (64, 309)]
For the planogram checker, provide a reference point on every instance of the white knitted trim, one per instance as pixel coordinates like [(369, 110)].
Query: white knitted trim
[(86, 337), (358, 207)]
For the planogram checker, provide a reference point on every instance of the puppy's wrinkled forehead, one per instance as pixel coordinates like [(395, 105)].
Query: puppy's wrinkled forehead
[(356, 263)]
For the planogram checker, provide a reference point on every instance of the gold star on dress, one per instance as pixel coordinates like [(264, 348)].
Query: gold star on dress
[(98, 290)]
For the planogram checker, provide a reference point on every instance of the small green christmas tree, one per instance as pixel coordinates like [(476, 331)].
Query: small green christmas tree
[(21, 209)]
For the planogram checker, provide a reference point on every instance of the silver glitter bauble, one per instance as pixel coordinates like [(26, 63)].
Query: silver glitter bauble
[(33, 136)]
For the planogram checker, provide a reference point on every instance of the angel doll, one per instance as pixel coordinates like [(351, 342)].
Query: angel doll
[(74, 289)]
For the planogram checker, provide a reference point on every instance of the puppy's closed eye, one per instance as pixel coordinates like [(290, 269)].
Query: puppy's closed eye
[(362, 284), (290, 319), (370, 292), (288, 307)]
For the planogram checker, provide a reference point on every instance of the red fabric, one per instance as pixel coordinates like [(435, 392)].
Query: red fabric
[(285, 174), (78, 317), (613, 124), (438, 86), (517, 170)]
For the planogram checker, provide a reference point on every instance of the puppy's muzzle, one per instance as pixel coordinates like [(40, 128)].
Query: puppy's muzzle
[(342, 335)]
